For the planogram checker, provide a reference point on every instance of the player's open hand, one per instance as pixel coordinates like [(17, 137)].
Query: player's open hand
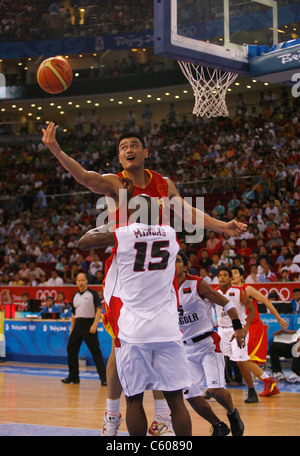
[(49, 138), (235, 228)]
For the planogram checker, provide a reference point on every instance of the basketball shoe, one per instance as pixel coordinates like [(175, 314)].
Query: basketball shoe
[(161, 426), (236, 425), (220, 430), (111, 425), (270, 387)]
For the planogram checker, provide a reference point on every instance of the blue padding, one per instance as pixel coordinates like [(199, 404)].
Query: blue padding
[(278, 61)]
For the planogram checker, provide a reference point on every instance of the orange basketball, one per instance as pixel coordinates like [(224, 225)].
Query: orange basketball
[(54, 75)]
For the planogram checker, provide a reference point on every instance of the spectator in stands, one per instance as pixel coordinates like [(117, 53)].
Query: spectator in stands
[(60, 265), (248, 195), (267, 275), (275, 240), (96, 279), (43, 281), (205, 261), (244, 250), (284, 225), (284, 275), (203, 274), (238, 261), (271, 208), (16, 280), (252, 277), (216, 264), (231, 251), (296, 259), (32, 282), (289, 265), (54, 280), (67, 274), (295, 301), (212, 241), (219, 210), (74, 256), (46, 256), (95, 265), (243, 211), (54, 15), (35, 270), (225, 258)]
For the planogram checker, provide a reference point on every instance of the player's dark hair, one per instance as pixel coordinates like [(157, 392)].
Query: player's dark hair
[(237, 268), (223, 268), (131, 135), (183, 257)]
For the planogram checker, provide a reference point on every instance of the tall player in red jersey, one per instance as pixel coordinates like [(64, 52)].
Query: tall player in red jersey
[(132, 154), (258, 336)]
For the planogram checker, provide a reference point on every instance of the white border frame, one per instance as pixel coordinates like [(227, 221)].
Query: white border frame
[(229, 50)]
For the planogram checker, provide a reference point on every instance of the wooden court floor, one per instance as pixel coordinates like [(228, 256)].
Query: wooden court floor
[(45, 400)]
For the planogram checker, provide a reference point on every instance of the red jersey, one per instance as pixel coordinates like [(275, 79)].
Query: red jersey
[(258, 337), (157, 187)]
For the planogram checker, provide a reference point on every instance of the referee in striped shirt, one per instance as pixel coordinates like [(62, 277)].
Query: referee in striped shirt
[(86, 313)]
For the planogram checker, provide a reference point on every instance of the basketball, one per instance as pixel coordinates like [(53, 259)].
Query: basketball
[(54, 75)]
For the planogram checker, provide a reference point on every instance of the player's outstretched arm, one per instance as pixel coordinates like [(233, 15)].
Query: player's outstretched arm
[(232, 228), (253, 293), (101, 236), (108, 184)]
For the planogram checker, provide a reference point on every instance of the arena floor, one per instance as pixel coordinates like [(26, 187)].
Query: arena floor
[(34, 402)]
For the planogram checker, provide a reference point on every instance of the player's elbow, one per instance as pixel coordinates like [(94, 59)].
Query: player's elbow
[(83, 243)]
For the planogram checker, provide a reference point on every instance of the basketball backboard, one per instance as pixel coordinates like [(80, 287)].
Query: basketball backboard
[(216, 33)]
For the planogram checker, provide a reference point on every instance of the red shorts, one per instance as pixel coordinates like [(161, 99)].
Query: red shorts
[(258, 342)]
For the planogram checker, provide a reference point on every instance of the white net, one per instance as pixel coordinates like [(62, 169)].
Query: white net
[(210, 89)]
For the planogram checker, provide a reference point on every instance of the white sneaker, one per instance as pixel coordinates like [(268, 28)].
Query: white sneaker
[(279, 376), (111, 425), (161, 425), (294, 378)]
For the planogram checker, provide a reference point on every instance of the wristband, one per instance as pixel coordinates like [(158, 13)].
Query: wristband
[(229, 306), (236, 323)]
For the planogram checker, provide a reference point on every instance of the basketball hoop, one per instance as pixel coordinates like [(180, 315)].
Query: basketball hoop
[(210, 88)]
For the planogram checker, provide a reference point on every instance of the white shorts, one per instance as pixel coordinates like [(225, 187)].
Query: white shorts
[(206, 365), (231, 349), (160, 366)]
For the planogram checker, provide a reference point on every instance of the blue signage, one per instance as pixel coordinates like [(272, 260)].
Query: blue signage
[(46, 341), (81, 45)]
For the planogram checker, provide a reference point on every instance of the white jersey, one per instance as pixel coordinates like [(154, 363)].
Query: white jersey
[(195, 313), (233, 294), (143, 275)]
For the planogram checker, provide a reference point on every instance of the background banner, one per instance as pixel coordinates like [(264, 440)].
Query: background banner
[(284, 291)]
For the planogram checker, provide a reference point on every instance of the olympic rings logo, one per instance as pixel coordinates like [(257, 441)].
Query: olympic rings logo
[(43, 294), (283, 293)]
